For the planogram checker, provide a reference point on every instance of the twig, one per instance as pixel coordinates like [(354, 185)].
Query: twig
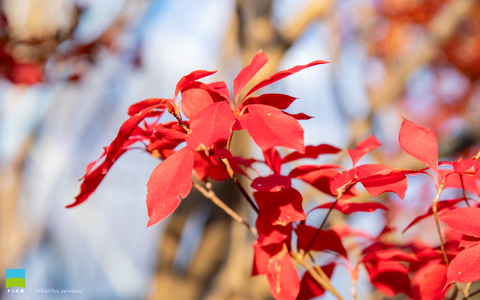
[(323, 223), (465, 290), (463, 191), (210, 194), (437, 223), (325, 284), (239, 185), (474, 293)]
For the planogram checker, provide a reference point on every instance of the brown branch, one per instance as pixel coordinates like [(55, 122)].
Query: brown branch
[(239, 185), (437, 223), (474, 294), (312, 11), (324, 222), (210, 194)]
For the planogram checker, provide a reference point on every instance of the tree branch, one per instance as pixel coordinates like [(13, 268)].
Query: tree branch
[(210, 194)]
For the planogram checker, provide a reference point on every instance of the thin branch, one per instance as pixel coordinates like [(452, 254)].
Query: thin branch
[(323, 223), (318, 278), (210, 194), (463, 191), (312, 11), (239, 185), (474, 293), (465, 290), (437, 223)]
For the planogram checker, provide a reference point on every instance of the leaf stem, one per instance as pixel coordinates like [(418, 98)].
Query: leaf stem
[(210, 194), (323, 223), (465, 290), (239, 185), (463, 191), (437, 223), (473, 294)]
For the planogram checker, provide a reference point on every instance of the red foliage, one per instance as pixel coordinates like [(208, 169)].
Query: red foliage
[(392, 267)]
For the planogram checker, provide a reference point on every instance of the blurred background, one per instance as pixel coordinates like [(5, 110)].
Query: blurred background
[(69, 69)]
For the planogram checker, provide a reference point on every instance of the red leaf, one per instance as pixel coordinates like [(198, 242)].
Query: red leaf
[(282, 74), (363, 148), (138, 107), (280, 208), (273, 159), (428, 282), (455, 180), (468, 166), (274, 182), (299, 116), (93, 178), (390, 254), (465, 220), (280, 101), (211, 125), (464, 267), (393, 181), (420, 143), (347, 207), (310, 288), (325, 240), (441, 206), (343, 182), (270, 127), (166, 139), (208, 166), (319, 177), (389, 277), (124, 133), (261, 257), (222, 89), (468, 241), (91, 181), (187, 79), (170, 181), (247, 73), (272, 234), (311, 152), (194, 101), (283, 281)]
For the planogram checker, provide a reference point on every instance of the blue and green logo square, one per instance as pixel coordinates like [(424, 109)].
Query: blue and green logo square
[(15, 278)]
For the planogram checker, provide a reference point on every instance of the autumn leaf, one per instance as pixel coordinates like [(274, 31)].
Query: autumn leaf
[(247, 73), (310, 288), (280, 101), (269, 127), (464, 267), (282, 74), (283, 281), (363, 148), (170, 181), (280, 207), (211, 125), (420, 143), (311, 152), (187, 79)]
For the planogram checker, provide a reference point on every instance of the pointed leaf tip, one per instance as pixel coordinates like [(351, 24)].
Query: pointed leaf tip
[(247, 73)]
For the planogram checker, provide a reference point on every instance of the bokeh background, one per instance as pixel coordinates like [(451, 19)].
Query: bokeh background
[(70, 68)]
